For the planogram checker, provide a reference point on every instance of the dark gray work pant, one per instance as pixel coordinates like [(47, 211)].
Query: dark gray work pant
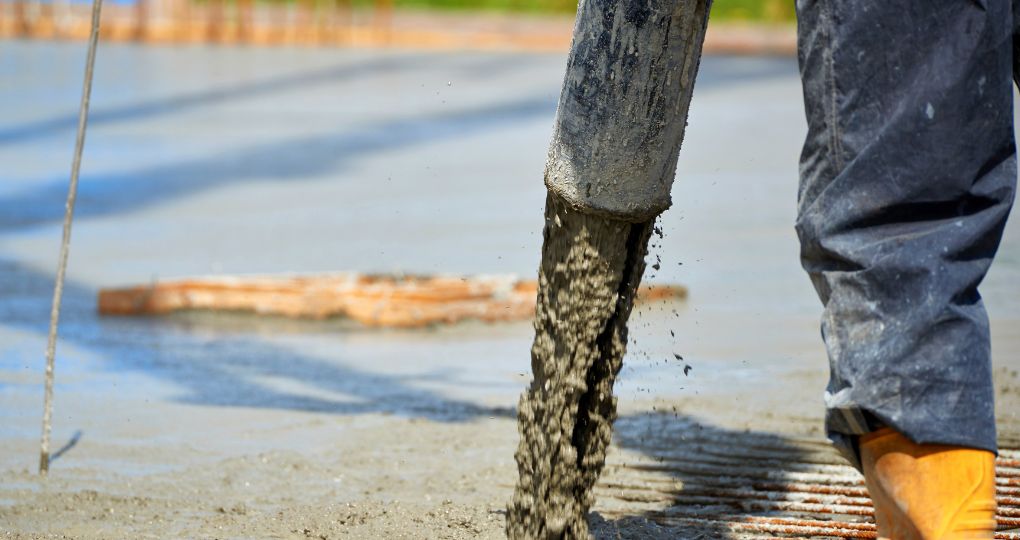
[(908, 174)]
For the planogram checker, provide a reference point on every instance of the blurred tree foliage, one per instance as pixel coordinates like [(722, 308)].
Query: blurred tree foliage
[(754, 10), (742, 10)]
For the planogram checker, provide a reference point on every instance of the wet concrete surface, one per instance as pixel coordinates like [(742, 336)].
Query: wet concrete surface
[(245, 160)]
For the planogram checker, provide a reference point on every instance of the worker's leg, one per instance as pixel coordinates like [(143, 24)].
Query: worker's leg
[(907, 177)]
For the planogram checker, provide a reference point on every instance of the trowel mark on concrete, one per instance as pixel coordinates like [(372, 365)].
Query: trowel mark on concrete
[(590, 271)]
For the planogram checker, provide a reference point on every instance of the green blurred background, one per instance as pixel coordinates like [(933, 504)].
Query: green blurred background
[(739, 10)]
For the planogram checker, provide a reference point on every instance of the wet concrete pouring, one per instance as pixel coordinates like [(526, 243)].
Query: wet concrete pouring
[(232, 427), (591, 269)]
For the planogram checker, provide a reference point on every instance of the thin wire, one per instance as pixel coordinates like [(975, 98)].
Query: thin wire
[(65, 244)]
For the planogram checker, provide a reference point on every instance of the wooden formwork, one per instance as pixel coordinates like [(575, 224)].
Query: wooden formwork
[(373, 300)]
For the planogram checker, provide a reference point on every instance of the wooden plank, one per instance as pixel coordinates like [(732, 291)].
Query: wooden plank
[(373, 300)]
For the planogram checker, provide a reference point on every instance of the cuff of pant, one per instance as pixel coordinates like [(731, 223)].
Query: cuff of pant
[(845, 426)]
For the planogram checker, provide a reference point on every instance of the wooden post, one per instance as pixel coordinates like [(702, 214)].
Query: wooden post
[(182, 14), (302, 23), (214, 20), (141, 19), (62, 18), (344, 23), (244, 21), (20, 19), (383, 20)]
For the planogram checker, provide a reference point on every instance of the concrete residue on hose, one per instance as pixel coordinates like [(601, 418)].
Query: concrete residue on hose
[(590, 271), (623, 107)]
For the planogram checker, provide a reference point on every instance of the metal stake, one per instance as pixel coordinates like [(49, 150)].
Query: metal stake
[(72, 192)]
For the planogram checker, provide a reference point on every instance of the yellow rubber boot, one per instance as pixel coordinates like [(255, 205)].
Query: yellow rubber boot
[(928, 491)]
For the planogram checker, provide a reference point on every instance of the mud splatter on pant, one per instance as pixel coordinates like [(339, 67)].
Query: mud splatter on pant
[(908, 174)]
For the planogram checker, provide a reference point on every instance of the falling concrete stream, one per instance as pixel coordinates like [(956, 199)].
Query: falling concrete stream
[(590, 271)]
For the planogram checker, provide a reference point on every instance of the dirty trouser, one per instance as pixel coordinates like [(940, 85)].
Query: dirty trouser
[(907, 177)]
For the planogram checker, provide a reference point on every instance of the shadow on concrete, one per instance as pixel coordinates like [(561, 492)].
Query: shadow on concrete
[(71, 443), (382, 64), (721, 72), (281, 161), (299, 157), (223, 369), (694, 470)]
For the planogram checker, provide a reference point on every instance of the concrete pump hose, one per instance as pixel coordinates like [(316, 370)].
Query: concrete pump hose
[(623, 108)]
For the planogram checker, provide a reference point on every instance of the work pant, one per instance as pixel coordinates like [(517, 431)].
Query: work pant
[(908, 174)]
